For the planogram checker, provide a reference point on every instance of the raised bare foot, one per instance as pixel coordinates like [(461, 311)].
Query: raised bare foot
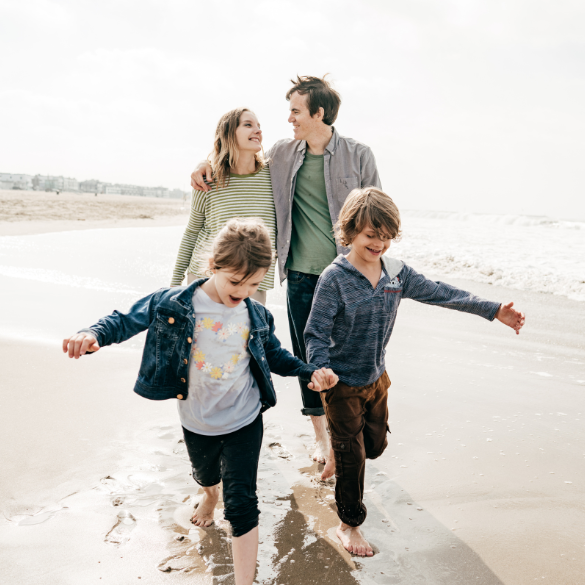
[(353, 540), (320, 453), (322, 438), (203, 514), (329, 469)]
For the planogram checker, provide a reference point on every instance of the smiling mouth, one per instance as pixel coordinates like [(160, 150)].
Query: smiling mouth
[(255, 139), (375, 252)]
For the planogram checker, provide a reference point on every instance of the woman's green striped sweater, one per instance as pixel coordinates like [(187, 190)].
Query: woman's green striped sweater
[(243, 196)]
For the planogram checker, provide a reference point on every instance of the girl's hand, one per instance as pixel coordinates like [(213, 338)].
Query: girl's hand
[(323, 379), (511, 317), (79, 344)]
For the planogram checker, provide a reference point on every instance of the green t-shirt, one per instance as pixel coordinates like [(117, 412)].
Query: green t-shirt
[(312, 245)]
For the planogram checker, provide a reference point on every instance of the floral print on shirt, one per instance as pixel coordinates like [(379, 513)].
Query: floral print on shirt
[(223, 333)]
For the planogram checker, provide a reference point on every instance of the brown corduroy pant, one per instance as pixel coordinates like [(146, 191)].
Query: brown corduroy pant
[(358, 422)]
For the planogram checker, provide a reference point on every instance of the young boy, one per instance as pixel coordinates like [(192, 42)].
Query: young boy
[(350, 324)]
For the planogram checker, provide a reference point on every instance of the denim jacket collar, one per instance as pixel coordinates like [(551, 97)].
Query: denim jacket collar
[(185, 299)]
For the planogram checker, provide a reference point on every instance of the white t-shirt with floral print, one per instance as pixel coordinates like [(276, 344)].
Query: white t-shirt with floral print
[(223, 394)]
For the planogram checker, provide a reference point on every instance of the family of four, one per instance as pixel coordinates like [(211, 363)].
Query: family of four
[(315, 203)]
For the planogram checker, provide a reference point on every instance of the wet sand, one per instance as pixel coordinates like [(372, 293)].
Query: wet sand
[(482, 482)]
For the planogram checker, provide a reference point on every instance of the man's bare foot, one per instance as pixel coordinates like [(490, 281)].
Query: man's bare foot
[(353, 540), (323, 446), (320, 453), (203, 514), (329, 469)]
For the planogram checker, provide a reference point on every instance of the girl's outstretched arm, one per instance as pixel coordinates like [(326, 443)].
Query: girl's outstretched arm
[(80, 344)]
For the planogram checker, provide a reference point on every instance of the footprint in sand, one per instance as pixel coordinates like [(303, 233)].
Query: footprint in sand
[(279, 450), (120, 533)]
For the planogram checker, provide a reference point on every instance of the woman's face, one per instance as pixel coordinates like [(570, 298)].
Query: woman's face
[(248, 133)]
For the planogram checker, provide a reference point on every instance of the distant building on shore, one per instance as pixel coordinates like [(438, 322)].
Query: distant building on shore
[(15, 181), (51, 183), (60, 183)]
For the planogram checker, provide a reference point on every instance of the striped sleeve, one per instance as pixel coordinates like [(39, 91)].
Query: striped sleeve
[(321, 321), (431, 292), (196, 222)]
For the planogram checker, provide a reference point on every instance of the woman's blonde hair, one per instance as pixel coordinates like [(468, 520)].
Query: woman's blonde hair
[(225, 153), (243, 245), (369, 207)]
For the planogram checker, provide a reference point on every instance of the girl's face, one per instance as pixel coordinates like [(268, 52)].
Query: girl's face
[(248, 133), (230, 288)]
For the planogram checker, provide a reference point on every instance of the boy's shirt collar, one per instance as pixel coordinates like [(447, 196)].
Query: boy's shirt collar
[(342, 261)]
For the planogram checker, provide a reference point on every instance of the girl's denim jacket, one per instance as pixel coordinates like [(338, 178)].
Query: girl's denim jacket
[(169, 318)]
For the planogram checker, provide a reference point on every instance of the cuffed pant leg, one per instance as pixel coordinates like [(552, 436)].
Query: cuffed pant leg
[(344, 407), (300, 289), (239, 471)]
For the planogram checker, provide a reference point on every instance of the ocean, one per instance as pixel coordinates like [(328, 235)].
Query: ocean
[(69, 278)]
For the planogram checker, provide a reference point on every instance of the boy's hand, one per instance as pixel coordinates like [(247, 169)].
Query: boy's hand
[(79, 344), (323, 379), (511, 317)]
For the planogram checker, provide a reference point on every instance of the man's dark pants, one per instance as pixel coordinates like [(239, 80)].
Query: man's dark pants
[(299, 299)]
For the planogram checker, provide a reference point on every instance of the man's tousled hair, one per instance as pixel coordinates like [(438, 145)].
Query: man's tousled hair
[(319, 94)]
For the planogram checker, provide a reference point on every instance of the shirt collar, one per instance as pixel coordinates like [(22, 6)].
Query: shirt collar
[(331, 146)]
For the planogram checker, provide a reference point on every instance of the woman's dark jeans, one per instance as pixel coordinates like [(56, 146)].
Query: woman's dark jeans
[(300, 289), (233, 459)]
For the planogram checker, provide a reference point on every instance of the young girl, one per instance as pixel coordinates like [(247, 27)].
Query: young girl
[(213, 349), (353, 314), (241, 188)]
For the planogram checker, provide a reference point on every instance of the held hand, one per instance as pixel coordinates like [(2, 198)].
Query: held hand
[(197, 176), (511, 317), (79, 344), (323, 379)]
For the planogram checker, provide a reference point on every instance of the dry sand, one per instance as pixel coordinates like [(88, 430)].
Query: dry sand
[(36, 212), (483, 480)]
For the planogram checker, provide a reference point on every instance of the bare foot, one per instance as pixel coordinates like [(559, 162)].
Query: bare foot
[(353, 540), (203, 514), (320, 452), (329, 469), (320, 426)]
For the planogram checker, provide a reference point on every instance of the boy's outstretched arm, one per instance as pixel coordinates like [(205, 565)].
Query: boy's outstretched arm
[(511, 317)]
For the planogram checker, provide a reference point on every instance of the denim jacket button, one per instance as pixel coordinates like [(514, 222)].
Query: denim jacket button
[(251, 337), (183, 380), (189, 340), (185, 361), (171, 320), (180, 396), (262, 359)]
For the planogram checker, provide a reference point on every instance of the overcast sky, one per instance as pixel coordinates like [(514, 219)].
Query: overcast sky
[(468, 105)]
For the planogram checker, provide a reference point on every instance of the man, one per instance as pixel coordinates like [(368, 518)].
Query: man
[(312, 175)]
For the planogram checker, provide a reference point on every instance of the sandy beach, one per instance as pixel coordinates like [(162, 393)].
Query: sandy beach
[(38, 212), (483, 480)]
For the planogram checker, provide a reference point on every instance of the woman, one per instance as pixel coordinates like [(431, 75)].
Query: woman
[(241, 188)]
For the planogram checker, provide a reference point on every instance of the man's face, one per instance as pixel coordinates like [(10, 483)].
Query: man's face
[(303, 124)]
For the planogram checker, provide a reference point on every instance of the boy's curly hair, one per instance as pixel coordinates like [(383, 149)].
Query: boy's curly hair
[(368, 207)]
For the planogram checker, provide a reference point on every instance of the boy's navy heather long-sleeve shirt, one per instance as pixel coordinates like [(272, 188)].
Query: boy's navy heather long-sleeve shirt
[(351, 321)]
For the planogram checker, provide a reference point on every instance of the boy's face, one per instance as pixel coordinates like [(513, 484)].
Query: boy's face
[(369, 245), (230, 287)]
